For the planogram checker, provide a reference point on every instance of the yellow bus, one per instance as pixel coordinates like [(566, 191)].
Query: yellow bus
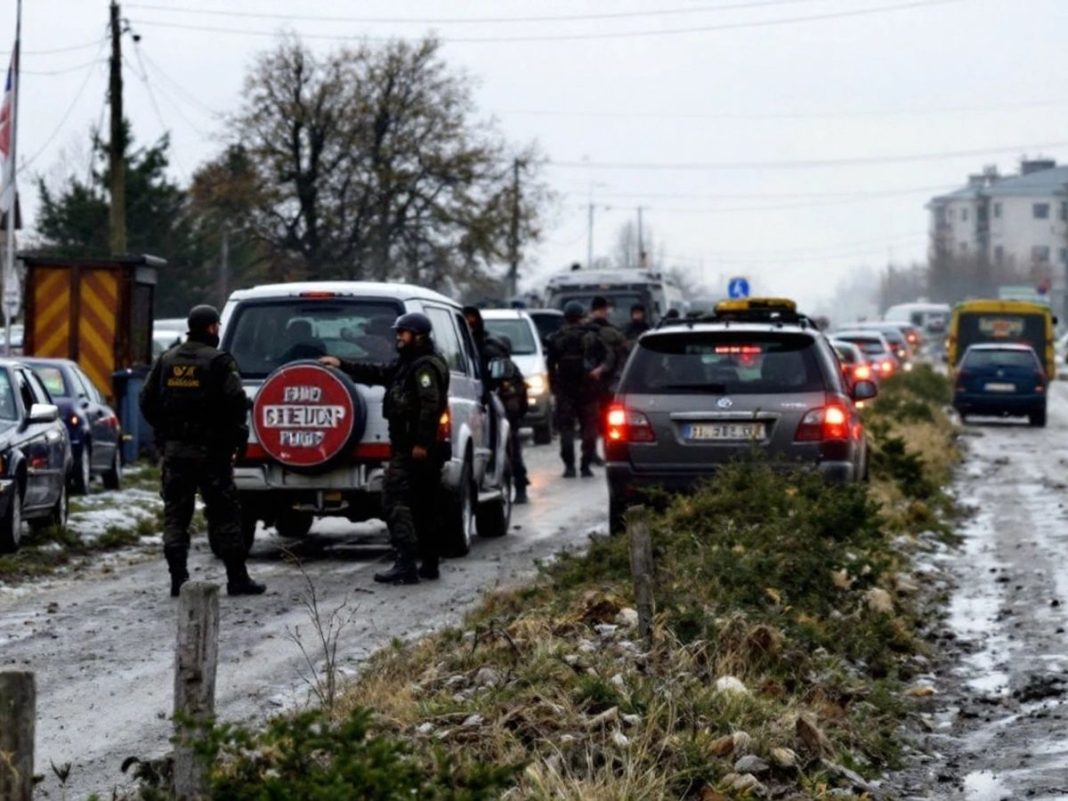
[(976, 321)]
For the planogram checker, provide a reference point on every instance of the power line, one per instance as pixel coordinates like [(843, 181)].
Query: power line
[(63, 71), (802, 164), (155, 105), (913, 4), (51, 51), (850, 195), (178, 88), (689, 10)]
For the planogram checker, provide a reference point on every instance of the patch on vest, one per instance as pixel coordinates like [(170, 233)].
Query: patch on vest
[(183, 377), (425, 381)]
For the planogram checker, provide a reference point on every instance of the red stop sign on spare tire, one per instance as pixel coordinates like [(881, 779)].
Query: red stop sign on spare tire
[(305, 415)]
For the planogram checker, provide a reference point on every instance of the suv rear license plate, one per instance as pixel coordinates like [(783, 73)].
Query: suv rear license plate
[(724, 431), (995, 387)]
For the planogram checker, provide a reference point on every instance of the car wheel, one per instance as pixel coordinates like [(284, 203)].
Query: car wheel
[(11, 523), (57, 516), (83, 473), (1038, 417), (543, 435), (293, 525), (113, 475), (617, 511), (460, 516), (494, 517)]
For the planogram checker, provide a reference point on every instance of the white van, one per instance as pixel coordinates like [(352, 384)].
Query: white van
[(622, 289), (529, 357)]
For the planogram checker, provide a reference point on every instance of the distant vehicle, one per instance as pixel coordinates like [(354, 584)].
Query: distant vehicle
[(92, 425), (931, 317), (699, 393), (894, 334), (874, 345), (548, 322), (622, 288), (35, 456), (167, 333), (996, 379), (17, 332), (1005, 322), (855, 365), (320, 442), (529, 356)]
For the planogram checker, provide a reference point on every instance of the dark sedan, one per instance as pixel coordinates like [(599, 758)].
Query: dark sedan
[(34, 456), (93, 426), (1001, 379)]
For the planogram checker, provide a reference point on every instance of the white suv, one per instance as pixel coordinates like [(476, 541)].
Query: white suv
[(319, 443)]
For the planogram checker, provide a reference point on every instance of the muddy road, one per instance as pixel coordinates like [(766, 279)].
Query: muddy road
[(998, 723), (102, 642)]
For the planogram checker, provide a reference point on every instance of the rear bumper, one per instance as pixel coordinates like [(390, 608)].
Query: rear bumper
[(988, 403), (630, 484)]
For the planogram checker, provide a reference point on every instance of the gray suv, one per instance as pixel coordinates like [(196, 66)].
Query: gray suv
[(698, 394)]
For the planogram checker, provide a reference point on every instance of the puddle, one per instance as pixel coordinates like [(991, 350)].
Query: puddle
[(984, 785)]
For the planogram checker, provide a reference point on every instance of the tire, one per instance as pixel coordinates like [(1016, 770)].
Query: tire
[(81, 472), (113, 475), (11, 524), (460, 516), (294, 525), (1037, 418), (543, 434), (57, 516), (494, 517), (617, 511)]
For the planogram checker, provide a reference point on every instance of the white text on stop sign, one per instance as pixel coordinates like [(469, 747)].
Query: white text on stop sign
[(303, 416)]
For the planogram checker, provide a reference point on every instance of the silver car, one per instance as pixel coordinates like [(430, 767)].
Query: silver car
[(698, 395)]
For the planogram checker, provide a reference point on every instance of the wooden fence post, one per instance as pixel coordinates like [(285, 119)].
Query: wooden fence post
[(194, 683), (641, 568), (18, 714)]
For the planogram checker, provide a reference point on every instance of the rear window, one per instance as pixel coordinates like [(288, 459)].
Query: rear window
[(977, 327), (724, 363), (847, 355), (52, 378), (1000, 358), (547, 324), (518, 332), (871, 347), (263, 336)]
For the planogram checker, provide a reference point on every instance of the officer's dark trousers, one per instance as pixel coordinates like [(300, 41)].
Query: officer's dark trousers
[(187, 469), (409, 501), (578, 411), (515, 453)]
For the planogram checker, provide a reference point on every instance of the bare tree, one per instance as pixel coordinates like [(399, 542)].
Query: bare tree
[(369, 164)]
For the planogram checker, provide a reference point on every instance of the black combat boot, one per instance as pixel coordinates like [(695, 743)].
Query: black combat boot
[(585, 472), (520, 496), (569, 471), (176, 564), (428, 569), (402, 572), (238, 581)]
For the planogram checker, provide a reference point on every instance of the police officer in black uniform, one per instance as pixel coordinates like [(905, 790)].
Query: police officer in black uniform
[(417, 392), (194, 401), (576, 392)]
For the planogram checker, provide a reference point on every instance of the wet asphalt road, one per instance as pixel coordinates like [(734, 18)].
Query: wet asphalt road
[(102, 643), (999, 722)]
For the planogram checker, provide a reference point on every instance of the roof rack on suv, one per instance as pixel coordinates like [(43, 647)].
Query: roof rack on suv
[(780, 311)]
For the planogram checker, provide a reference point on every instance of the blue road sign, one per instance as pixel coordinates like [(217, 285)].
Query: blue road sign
[(738, 287)]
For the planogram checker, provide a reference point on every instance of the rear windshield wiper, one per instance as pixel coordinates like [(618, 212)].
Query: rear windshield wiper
[(718, 389)]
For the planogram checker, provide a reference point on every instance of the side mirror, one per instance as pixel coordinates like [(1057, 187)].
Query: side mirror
[(864, 390), (498, 368), (43, 413)]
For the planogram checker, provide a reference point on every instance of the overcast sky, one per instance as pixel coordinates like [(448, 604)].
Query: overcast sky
[(788, 141)]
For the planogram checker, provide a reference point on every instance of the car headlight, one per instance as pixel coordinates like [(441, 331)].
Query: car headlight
[(537, 384)]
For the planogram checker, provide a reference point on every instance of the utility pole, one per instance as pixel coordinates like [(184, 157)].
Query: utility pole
[(224, 265), (589, 237), (513, 235), (117, 145), (641, 241)]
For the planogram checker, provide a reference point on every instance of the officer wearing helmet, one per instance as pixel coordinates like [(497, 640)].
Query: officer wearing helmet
[(417, 392), (193, 399), (569, 361)]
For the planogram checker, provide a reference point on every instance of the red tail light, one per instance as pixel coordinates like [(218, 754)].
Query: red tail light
[(862, 373), (830, 422), (886, 367), (625, 425), (1040, 381), (445, 427)]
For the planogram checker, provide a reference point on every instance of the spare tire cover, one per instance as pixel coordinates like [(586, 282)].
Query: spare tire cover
[(308, 416)]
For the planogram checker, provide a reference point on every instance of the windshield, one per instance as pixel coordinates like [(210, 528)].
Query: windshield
[(724, 363), (8, 410), (976, 327), (976, 359), (518, 332), (618, 304), (263, 336)]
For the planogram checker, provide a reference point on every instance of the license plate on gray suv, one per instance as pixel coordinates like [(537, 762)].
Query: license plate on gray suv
[(703, 432)]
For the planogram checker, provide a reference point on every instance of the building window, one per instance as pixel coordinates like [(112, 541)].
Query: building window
[(1040, 211), (1064, 212), (999, 254), (997, 210), (1063, 254), (963, 247), (1040, 253), (964, 215)]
